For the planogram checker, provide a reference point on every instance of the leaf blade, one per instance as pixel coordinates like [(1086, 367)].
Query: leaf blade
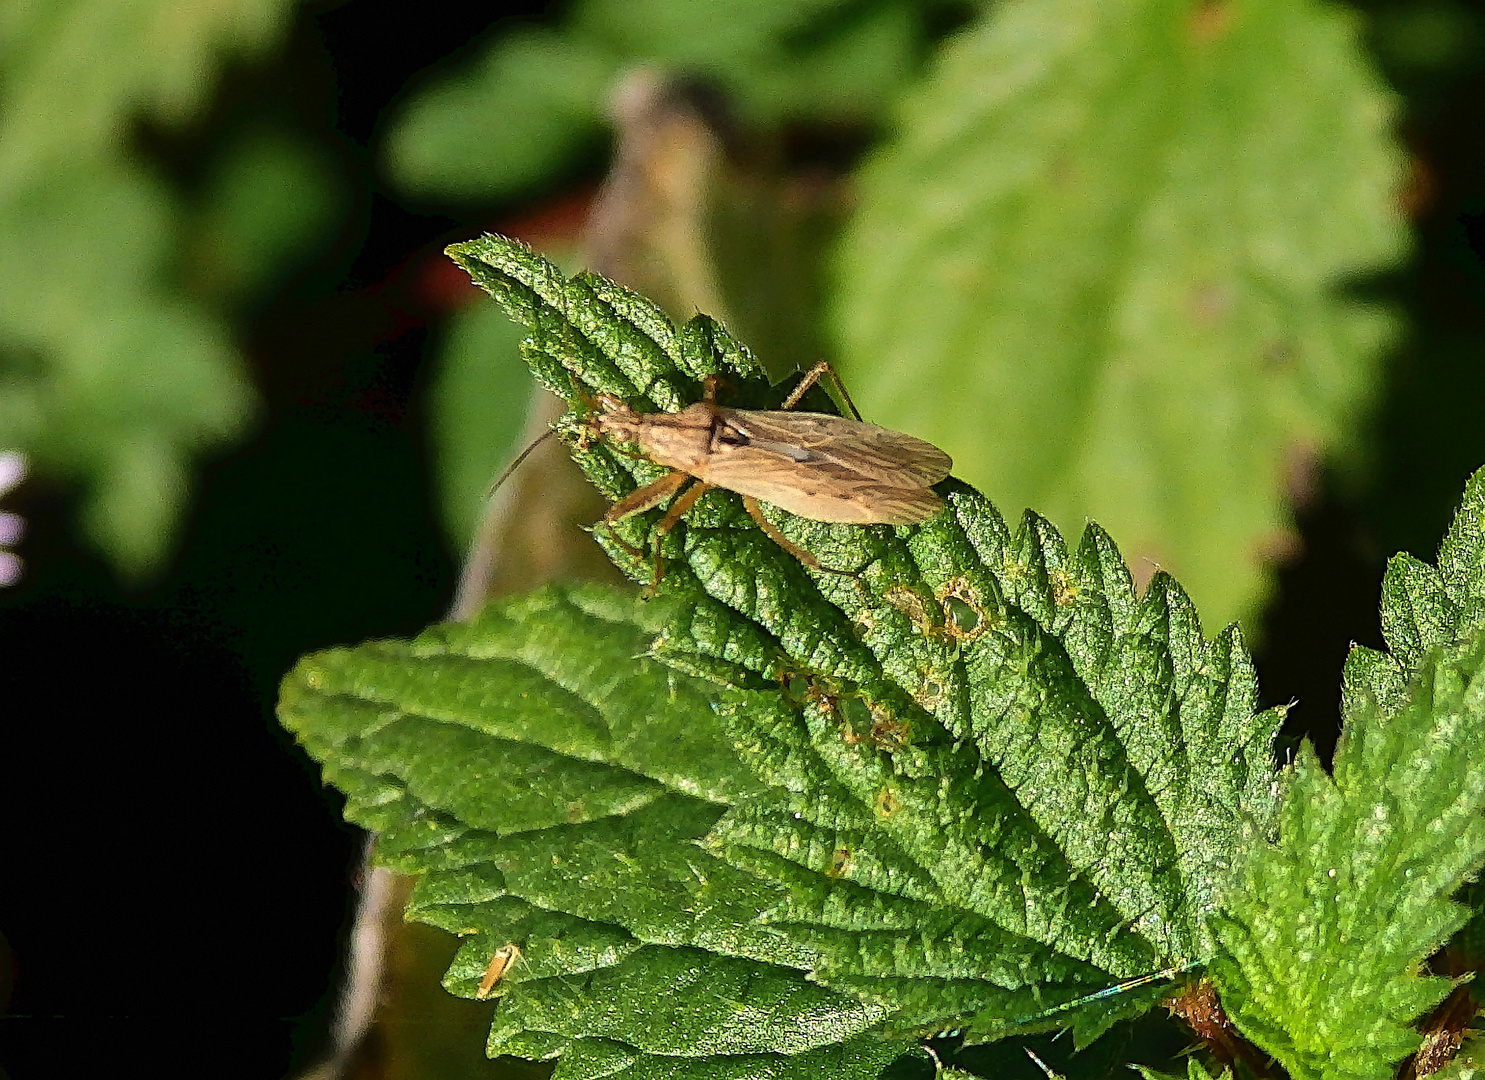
[(950, 788), (1100, 228), (1368, 861)]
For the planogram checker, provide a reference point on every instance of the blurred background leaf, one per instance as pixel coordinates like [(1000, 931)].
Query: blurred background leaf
[(477, 406), (108, 378), (1102, 263), (111, 375), (521, 112), (271, 198), (78, 72), (529, 105)]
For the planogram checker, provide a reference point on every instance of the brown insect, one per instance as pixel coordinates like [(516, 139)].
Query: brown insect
[(500, 963), (815, 465)]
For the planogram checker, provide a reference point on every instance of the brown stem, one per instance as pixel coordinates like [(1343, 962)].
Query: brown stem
[(1201, 1010)]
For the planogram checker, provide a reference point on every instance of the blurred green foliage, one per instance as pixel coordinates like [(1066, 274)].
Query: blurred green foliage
[(1100, 253), (478, 400), (115, 370), (1103, 264), (529, 103), (271, 197)]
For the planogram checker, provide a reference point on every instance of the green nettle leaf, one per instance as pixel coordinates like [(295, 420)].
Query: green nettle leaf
[(1102, 264), (1424, 608), (779, 818), (1324, 938)]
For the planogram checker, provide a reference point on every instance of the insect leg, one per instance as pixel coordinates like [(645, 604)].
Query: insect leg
[(771, 530), (640, 500), (647, 497), (675, 513), (812, 376)]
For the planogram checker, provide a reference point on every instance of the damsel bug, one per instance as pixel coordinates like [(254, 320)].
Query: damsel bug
[(815, 465)]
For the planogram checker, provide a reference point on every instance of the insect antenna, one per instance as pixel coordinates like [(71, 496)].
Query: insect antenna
[(516, 464)]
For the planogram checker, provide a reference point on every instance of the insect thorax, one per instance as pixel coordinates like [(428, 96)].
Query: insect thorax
[(681, 440)]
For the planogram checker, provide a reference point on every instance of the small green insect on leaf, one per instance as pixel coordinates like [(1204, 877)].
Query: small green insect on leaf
[(1324, 939), (777, 814)]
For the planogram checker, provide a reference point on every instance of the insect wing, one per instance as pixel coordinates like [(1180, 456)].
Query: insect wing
[(861, 504), (828, 468), (871, 452)]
